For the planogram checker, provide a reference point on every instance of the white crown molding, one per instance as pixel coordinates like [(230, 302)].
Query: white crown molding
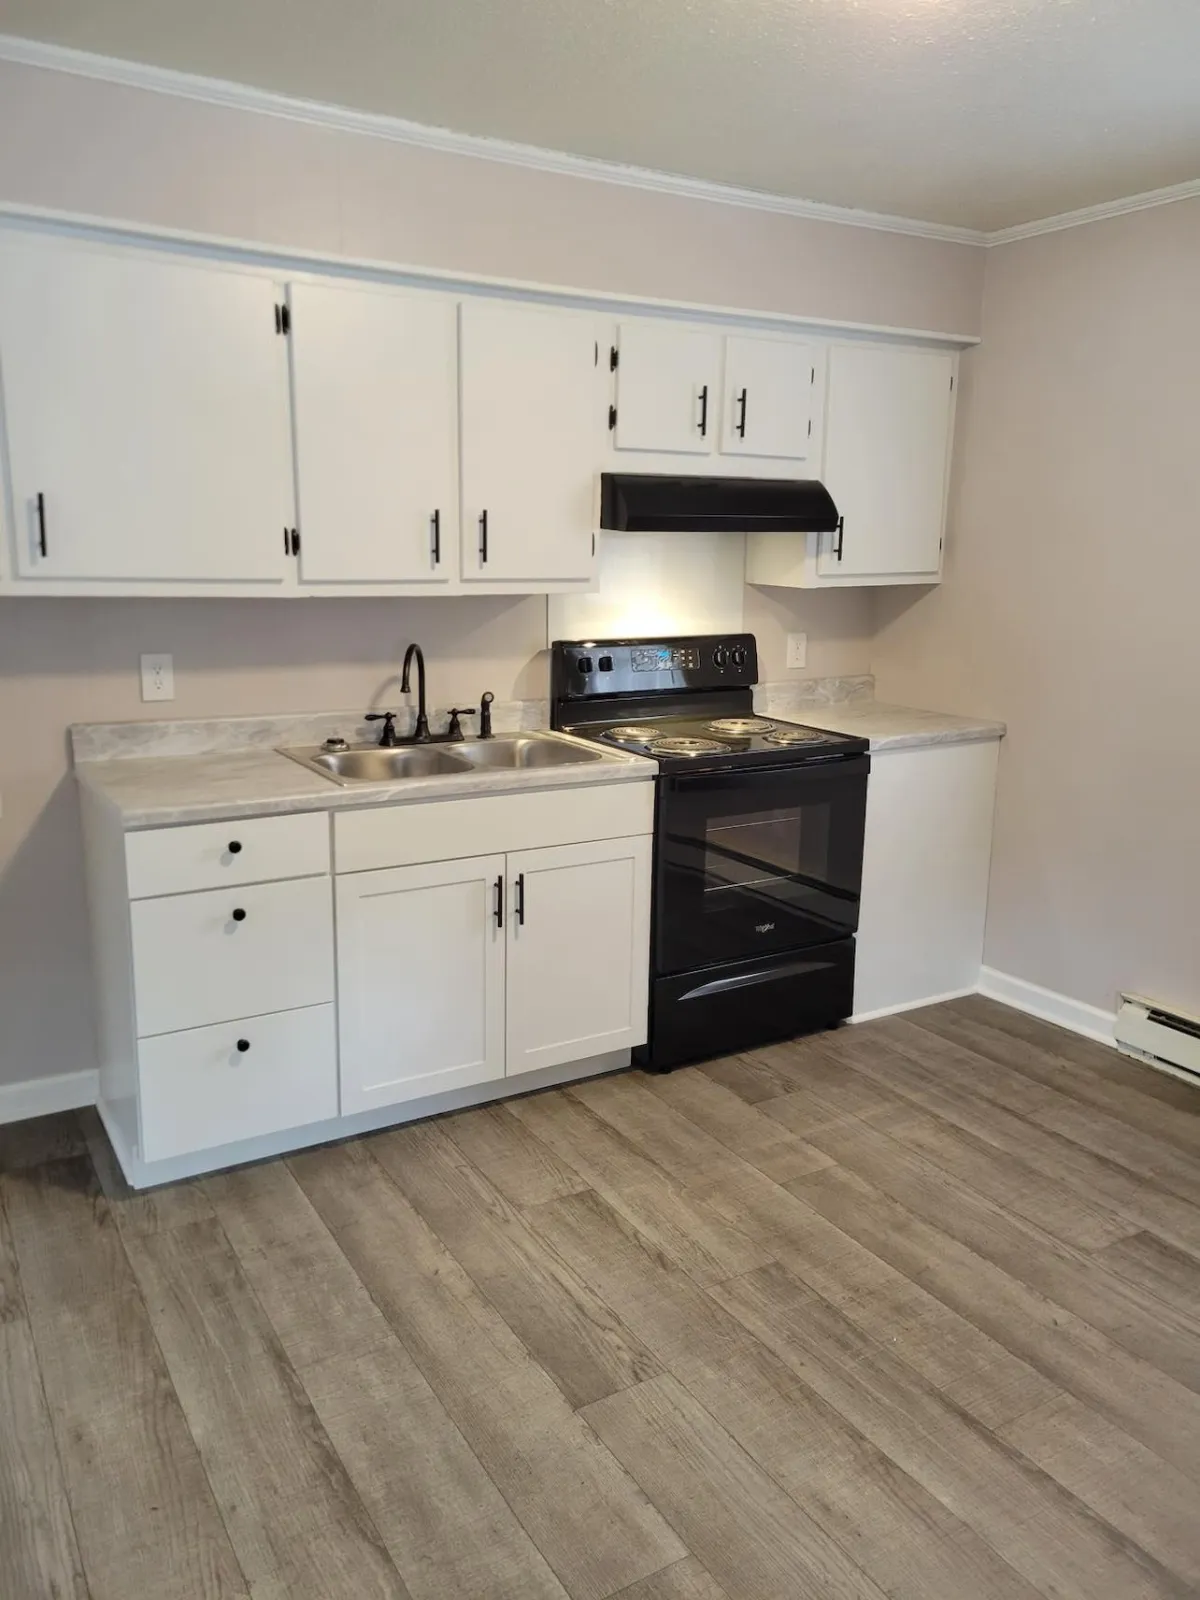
[(241, 97), (1099, 213)]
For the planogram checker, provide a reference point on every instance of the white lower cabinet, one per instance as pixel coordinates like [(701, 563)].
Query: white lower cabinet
[(420, 981), (925, 875), (237, 1080), (578, 952), (239, 952), (467, 971), (242, 1019)]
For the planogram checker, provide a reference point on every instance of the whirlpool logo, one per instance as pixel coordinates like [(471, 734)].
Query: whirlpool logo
[(764, 927)]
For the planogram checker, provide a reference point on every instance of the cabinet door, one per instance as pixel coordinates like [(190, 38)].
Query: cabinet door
[(768, 391), (666, 387), (420, 981), (887, 448), (578, 951), (531, 443), (374, 382), (146, 412), (925, 875)]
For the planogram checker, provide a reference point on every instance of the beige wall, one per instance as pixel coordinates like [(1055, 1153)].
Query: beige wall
[(71, 144), (1070, 604)]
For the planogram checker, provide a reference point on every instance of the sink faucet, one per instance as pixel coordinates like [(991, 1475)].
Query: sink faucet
[(420, 734)]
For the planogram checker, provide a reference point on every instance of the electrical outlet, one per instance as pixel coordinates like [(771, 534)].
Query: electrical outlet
[(158, 678), (797, 649)]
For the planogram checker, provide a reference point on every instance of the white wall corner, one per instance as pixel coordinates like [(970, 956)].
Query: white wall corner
[(40, 1097), (1076, 1015)]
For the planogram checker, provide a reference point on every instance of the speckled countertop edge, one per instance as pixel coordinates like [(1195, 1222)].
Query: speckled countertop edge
[(159, 791)]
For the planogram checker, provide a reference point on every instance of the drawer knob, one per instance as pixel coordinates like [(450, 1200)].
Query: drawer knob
[(235, 847), (239, 915), (243, 1045)]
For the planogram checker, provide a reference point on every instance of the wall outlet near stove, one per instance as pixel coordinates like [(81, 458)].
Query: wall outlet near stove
[(158, 678), (797, 650)]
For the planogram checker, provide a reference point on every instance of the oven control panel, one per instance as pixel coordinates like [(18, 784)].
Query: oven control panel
[(588, 668)]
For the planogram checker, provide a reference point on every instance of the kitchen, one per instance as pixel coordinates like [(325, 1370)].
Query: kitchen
[(1030, 627)]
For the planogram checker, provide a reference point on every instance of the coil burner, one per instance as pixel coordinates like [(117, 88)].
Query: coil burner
[(786, 736), (741, 727), (688, 747)]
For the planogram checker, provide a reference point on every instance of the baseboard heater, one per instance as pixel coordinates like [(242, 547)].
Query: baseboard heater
[(1169, 1040)]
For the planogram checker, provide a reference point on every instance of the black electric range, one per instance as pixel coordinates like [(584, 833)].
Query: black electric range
[(758, 846)]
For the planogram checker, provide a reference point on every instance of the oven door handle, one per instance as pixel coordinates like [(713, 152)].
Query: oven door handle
[(769, 973), (822, 770)]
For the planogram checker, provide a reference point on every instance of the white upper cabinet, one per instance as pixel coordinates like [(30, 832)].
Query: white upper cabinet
[(769, 396), (887, 451), (145, 403), (888, 426), (532, 438), (375, 396), (666, 397)]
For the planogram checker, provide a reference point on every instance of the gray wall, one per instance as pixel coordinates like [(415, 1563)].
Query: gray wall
[(1070, 603)]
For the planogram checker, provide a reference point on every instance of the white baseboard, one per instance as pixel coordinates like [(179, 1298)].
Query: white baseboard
[(1090, 1021), (911, 1005), (39, 1097)]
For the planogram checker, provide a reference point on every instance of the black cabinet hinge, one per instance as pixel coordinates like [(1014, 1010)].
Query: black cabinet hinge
[(951, 383), (614, 359), (283, 319), (813, 379), (612, 417), (291, 541)]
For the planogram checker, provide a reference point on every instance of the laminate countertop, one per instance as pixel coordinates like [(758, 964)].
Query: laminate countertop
[(157, 791), (888, 727)]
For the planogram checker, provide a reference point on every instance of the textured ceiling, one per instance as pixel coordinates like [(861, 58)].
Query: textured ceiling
[(983, 113)]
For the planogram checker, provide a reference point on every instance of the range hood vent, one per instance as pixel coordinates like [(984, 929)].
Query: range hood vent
[(649, 502)]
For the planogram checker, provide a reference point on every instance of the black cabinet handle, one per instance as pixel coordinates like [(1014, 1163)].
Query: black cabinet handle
[(238, 914), (704, 412), (483, 539), (841, 529), (741, 426), (235, 847), (500, 901), (437, 538), (243, 1045), (41, 516), (521, 899)]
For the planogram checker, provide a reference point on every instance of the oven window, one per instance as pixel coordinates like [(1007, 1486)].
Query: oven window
[(764, 847), (755, 862)]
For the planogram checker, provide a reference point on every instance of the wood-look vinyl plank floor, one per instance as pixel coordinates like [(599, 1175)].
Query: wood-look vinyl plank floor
[(909, 1310)]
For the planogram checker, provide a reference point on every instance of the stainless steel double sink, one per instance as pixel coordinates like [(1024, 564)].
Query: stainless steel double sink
[(377, 764)]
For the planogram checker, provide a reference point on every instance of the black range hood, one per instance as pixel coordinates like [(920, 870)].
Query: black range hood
[(651, 502)]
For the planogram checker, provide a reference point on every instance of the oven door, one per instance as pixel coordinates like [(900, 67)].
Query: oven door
[(756, 861)]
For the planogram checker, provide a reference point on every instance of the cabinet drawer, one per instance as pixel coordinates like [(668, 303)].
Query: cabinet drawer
[(445, 830), (199, 1090), (209, 855), (196, 960)]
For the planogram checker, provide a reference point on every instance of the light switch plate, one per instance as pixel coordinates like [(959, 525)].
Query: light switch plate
[(797, 649), (158, 678)]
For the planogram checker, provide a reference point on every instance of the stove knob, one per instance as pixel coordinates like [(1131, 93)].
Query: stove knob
[(720, 657), (583, 664), (738, 656)]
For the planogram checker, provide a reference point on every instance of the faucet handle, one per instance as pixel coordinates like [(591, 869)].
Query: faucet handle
[(454, 731), (387, 737)]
